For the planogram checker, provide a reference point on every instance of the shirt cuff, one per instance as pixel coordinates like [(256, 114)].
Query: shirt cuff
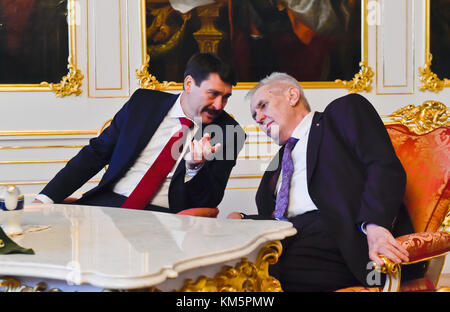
[(44, 199), (190, 173), (362, 227)]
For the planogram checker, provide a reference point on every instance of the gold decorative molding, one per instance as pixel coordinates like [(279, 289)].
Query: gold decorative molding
[(241, 188), (39, 147), (146, 289), (256, 157), (388, 267), (148, 81), (13, 285), (430, 81), (21, 162), (245, 276), (393, 272), (70, 84), (362, 80), (48, 132), (445, 226), (424, 118)]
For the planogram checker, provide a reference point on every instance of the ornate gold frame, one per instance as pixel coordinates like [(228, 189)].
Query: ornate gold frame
[(421, 119), (430, 81), (69, 84), (11, 284), (244, 277), (362, 80)]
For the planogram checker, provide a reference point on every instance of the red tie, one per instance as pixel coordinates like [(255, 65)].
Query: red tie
[(158, 171)]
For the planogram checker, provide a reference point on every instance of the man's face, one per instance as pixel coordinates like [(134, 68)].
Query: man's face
[(271, 110), (208, 100)]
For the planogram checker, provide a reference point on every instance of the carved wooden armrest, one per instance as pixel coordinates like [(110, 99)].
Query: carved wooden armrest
[(425, 245), (69, 200), (200, 212), (421, 247)]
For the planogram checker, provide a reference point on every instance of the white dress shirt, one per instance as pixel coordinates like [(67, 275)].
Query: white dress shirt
[(299, 199), (168, 127)]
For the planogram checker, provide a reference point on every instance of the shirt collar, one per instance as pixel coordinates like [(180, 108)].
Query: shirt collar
[(176, 111), (302, 129)]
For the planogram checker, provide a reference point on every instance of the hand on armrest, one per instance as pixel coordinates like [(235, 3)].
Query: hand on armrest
[(200, 212), (382, 243)]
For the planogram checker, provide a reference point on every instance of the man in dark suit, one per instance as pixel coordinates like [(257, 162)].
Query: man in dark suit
[(134, 144), (341, 185)]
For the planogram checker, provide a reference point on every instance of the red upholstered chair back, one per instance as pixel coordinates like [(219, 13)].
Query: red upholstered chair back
[(426, 159)]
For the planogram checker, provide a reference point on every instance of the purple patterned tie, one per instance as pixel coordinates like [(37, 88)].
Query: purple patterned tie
[(287, 168)]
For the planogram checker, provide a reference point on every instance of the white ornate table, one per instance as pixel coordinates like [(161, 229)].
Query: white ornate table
[(96, 248)]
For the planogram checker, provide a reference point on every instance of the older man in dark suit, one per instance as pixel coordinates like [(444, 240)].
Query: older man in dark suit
[(336, 178), (146, 144)]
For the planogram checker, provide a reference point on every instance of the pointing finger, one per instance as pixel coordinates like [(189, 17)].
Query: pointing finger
[(206, 137), (216, 148)]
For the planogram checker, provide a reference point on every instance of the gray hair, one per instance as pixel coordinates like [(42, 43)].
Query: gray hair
[(283, 78)]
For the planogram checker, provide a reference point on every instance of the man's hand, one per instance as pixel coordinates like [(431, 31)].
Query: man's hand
[(381, 242), (200, 151), (36, 201), (234, 215)]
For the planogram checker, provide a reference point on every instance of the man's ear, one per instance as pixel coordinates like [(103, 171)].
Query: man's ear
[(293, 96), (188, 83)]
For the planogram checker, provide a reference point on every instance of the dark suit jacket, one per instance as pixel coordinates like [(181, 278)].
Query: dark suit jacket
[(120, 144), (353, 176)]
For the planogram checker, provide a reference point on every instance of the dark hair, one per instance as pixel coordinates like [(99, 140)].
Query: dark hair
[(200, 65)]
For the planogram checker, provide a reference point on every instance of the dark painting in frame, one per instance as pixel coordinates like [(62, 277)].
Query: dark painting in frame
[(38, 46), (434, 73), (257, 37)]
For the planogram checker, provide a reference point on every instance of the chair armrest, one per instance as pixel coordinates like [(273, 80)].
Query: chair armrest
[(420, 246), (200, 212), (425, 245), (69, 200)]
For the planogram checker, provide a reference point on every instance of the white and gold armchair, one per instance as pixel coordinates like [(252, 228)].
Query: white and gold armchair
[(421, 138)]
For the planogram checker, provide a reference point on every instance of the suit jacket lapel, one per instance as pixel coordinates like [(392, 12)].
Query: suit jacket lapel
[(265, 198), (276, 170), (145, 122), (314, 141), (153, 120)]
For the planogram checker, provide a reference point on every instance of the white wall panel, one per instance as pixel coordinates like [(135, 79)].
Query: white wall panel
[(107, 29), (395, 62)]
